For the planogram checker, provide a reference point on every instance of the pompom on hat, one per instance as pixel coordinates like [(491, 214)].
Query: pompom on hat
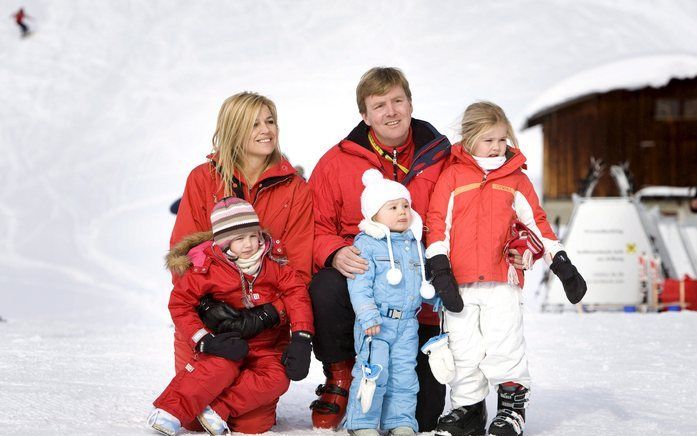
[(377, 192), (230, 217)]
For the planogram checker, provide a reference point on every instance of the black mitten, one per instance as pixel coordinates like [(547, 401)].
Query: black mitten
[(296, 358), (574, 285), (444, 282), (227, 345), (213, 312), (252, 321)]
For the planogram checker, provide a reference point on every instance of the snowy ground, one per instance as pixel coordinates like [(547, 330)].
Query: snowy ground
[(599, 374), (107, 107)]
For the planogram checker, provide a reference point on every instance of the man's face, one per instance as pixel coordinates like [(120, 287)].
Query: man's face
[(389, 115)]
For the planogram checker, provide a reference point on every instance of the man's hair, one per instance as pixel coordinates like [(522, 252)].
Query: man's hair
[(378, 81), (480, 117)]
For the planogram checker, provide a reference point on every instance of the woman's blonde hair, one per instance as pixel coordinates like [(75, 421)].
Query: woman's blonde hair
[(235, 123), (480, 117)]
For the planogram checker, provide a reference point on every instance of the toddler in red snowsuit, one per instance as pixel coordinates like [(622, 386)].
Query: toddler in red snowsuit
[(242, 357)]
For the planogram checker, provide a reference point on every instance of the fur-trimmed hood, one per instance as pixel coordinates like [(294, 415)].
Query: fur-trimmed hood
[(186, 254), (177, 260)]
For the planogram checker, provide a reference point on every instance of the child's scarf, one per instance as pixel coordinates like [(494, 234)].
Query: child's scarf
[(248, 266), (490, 163)]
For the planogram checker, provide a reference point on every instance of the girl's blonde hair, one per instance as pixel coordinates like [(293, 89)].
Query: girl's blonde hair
[(480, 117), (235, 123)]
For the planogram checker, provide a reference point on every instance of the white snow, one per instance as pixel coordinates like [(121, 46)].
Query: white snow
[(107, 107), (629, 74)]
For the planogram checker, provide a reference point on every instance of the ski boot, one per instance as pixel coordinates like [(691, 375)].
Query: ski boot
[(164, 422), (402, 431), (212, 422), (510, 417), (464, 421), (364, 432), (328, 411)]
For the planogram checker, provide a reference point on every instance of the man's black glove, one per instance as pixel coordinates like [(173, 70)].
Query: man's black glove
[(227, 345), (574, 285), (296, 358), (444, 282), (222, 318)]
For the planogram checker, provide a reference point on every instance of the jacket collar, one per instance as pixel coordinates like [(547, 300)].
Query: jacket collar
[(430, 146), (276, 173), (514, 160)]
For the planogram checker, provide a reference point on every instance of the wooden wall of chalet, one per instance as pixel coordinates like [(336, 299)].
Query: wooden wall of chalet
[(655, 129)]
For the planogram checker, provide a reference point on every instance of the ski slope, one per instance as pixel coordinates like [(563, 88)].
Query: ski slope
[(107, 107)]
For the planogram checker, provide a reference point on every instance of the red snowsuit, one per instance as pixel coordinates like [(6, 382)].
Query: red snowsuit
[(244, 393), (280, 197), (336, 187)]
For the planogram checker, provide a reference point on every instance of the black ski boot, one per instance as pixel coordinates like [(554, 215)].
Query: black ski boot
[(463, 421), (510, 418)]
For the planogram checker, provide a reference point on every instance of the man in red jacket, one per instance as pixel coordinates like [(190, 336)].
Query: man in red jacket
[(408, 151)]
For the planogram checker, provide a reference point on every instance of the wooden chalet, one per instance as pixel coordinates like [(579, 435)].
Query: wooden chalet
[(654, 129)]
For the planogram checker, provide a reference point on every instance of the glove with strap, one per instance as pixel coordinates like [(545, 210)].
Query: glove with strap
[(227, 345), (213, 312), (247, 323), (574, 285), (444, 282), (440, 358), (296, 357)]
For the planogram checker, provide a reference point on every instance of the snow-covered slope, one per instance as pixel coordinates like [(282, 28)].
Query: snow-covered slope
[(105, 109), (595, 374), (110, 104)]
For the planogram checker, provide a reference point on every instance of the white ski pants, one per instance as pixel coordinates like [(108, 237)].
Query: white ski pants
[(487, 342)]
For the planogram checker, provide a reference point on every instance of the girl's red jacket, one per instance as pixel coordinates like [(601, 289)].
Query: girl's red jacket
[(471, 212)]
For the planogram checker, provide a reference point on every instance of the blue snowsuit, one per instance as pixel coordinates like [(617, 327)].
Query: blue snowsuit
[(394, 308)]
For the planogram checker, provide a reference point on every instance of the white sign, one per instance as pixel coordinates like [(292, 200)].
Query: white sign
[(604, 240)]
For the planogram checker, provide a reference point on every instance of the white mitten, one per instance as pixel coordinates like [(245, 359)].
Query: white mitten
[(366, 389), (440, 358)]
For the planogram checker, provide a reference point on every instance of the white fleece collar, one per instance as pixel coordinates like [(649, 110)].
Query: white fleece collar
[(394, 275)]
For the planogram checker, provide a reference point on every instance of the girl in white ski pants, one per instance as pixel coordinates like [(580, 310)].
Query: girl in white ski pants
[(486, 340)]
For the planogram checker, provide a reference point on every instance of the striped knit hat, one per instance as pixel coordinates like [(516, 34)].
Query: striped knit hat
[(230, 217)]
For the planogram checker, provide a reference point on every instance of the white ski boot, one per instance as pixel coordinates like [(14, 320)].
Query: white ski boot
[(402, 431), (164, 422), (212, 422)]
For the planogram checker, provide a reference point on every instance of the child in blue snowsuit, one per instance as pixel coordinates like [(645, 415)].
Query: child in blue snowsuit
[(386, 299)]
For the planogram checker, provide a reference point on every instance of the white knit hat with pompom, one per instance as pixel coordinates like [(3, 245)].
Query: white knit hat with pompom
[(378, 191)]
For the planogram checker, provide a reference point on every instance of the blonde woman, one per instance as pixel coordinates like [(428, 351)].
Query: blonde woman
[(246, 162)]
